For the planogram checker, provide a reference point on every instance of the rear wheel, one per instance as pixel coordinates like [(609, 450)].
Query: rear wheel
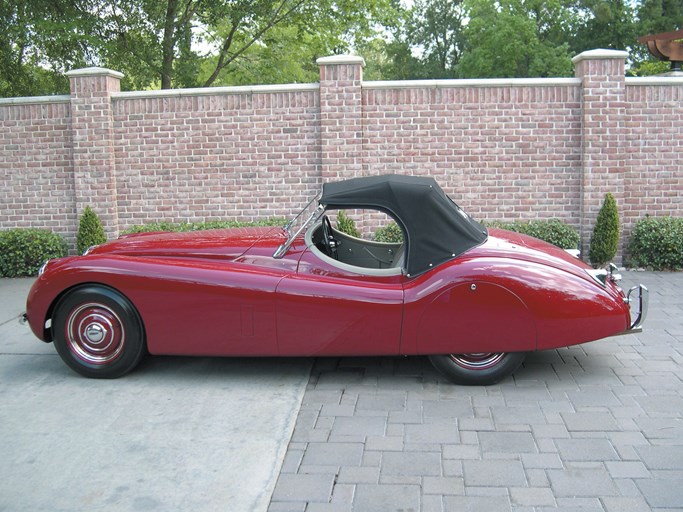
[(480, 369), (98, 332)]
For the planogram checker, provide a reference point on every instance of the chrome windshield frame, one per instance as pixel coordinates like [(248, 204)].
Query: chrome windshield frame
[(305, 217)]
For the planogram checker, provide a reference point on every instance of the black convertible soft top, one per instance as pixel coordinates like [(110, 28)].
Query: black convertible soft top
[(435, 228)]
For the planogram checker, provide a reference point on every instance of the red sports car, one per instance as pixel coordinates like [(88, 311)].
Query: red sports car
[(473, 300)]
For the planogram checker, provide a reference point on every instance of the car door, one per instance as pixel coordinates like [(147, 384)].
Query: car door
[(325, 310)]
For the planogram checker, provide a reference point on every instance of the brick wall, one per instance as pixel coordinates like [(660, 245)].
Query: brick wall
[(36, 165), (653, 126), (205, 155), (504, 149)]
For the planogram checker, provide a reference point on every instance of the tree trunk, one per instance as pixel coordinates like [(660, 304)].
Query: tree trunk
[(168, 45)]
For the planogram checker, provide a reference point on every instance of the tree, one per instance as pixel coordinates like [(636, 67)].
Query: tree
[(437, 25), (426, 40), (174, 43), (605, 24), (39, 41), (516, 38), (654, 17), (172, 40)]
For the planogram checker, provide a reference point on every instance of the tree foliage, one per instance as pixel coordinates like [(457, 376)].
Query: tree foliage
[(39, 41), (193, 43), (175, 43), (654, 17), (606, 24), (516, 38)]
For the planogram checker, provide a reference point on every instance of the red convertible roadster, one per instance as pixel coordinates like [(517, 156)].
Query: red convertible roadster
[(473, 300)]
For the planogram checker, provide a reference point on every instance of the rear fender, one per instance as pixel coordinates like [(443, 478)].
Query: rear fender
[(476, 316)]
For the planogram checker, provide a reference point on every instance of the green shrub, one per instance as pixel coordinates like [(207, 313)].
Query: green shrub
[(390, 233), (23, 251), (90, 231), (553, 231), (152, 227), (346, 225), (657, 243), (605, 237), (201, 226)]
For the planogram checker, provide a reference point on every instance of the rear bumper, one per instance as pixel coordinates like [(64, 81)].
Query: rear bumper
[(640, 294)]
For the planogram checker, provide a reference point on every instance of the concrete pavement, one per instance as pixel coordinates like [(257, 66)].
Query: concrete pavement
[(177, 434)]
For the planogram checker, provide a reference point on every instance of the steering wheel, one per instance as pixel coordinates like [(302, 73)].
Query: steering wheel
[(328, 240)]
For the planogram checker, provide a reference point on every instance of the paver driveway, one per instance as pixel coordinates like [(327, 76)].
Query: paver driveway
[(597, 427)]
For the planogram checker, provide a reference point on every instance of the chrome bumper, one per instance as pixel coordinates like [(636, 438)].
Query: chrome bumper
[(643, 298)]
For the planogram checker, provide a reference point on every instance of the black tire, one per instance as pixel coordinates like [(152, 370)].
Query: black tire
[(98, 332), (478, 369)]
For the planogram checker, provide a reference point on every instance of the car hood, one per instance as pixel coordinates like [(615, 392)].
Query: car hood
[(507, 244), (215, 243)]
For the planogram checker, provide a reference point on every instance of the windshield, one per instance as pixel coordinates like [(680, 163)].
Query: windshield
[(310, 213)]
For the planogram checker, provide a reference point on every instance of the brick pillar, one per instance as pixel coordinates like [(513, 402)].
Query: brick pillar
[(603, 142), (93, 149), (341, 116)]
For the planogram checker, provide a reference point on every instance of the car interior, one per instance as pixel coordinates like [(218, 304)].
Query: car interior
[(344, 250)]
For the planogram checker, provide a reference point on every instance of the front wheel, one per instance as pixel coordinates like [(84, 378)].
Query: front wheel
[(478, 369), (98, 332)]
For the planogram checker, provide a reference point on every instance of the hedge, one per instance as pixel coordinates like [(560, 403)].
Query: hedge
[(200, 226), (657, 243), (390, 233), (24, 250), (553, 231)]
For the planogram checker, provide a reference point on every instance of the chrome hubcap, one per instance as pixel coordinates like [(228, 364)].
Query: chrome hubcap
[(95, 333), (478, 361)]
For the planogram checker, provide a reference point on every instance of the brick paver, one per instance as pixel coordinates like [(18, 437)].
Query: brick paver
[(597, 427)]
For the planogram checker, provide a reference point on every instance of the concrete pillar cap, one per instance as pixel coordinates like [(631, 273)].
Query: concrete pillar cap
[(340, 59), (94, 71), (600, 54)]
